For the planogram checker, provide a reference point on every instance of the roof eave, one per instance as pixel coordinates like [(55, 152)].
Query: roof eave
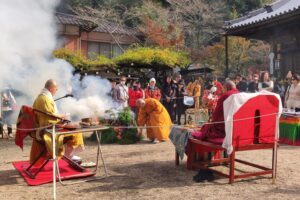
[(240, 30)]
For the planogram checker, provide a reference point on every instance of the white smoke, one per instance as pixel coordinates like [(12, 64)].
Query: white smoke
[(28, 37), (91, 98)]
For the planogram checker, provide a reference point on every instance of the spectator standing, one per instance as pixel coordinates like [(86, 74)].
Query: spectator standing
[(121, 93), (208, 84), (266, 83), (8, 106), (193, 89), (177, 78), (218, 85), (241, 83), (169, 92), (253, 85), (152, 91), (135, 93), (197, 92), (292, 97), (112, 92), (189, 88), (180, 107), (279, 89)]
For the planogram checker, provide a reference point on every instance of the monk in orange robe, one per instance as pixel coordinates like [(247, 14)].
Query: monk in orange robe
[(156, 117)]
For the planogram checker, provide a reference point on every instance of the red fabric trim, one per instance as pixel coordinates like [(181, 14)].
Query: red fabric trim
[(289, 142), (26, 120), (46, 174)]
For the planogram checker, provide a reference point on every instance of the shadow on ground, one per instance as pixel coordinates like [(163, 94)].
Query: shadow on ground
[(145, 175), (151, 175), (10, 177), (294, 190)]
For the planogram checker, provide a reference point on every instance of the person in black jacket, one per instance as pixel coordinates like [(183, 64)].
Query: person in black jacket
[(241, 83), (253, 85), (180, 107), (168, 94)]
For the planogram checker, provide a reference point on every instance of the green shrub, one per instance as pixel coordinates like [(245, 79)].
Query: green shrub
[(125, 117), (108, 136), (129, 136), (79, 61), (155, 57)]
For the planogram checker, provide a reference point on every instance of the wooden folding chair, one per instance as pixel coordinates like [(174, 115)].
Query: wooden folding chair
[(25, 125)]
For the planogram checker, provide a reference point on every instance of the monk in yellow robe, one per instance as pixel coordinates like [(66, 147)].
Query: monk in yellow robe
[(44, 102), (154, 114)]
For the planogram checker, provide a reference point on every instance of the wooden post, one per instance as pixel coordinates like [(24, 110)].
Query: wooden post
[(54, 161), (231, 172), (226, 57)]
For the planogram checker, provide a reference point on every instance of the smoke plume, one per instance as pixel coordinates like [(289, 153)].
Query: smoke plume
[(28, 37)]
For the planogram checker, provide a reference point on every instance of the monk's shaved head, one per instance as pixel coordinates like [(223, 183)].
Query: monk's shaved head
[(140, 102), (229, 85), (50, 84)]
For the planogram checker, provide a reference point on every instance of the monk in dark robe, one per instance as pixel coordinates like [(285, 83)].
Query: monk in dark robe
[(217, 130)]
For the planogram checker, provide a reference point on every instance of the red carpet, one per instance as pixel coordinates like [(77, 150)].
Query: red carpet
[(46, 174)]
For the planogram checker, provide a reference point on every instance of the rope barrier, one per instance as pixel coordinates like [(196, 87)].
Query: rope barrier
[(128, 127)]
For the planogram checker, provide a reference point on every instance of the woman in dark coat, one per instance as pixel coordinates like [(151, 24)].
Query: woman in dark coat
[(180, 107), (169, 92)]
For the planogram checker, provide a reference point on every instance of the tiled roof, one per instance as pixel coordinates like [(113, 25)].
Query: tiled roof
[(111, 28), (68, 19), (269, 12)]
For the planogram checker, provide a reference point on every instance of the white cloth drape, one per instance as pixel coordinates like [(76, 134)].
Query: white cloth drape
[(232, 104), (47, 93)]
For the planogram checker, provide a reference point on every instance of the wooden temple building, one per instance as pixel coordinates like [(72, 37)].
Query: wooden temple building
[(279, 25), (91, 39)]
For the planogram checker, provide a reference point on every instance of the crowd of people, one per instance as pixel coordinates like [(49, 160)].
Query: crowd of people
[(204, 92), (156, 107), (176, 94)]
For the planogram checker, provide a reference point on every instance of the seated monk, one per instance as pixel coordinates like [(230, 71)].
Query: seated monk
[(156, 117), (44, 102), (217, 130)]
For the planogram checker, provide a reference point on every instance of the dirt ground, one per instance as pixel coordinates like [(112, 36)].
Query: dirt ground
[(147, 171)]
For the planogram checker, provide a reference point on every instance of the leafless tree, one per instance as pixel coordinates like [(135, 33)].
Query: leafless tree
[(202, 19)]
